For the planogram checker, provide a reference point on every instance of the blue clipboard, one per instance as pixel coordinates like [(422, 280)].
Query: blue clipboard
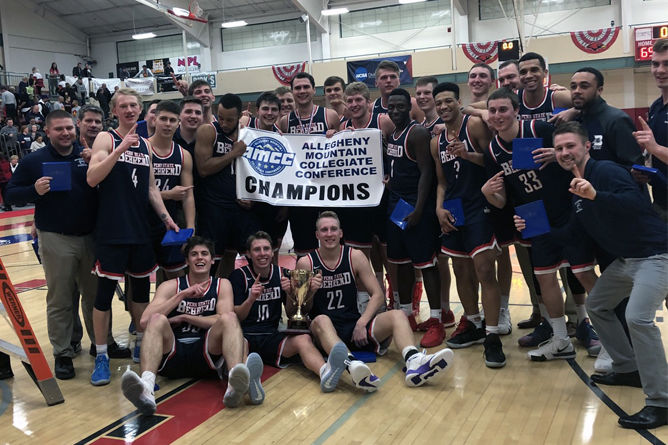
[(536, 219), (522, 156), (401, 210), (656, 178), (173, 238), (142, 129), (61, 174), (454, 206)]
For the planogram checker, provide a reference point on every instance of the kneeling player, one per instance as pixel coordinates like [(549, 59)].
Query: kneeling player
[(191, 331), (335, 315), (259, 293)]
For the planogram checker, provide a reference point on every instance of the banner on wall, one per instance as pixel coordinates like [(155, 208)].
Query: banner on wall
[(127, 69), (345, 170), (142, 85), (209, 77), (481, 52), (111, 84), (285, 73), (179, 64), (365, 70), (595, 41), (73, 80), (166, 83)]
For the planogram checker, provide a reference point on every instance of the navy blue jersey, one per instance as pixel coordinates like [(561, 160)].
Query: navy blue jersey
[(188, 146), (403, 169), (658, 122), (523, 186), (123, 195), (203, 306), (255, 123), (542, 112), (316, 123), (371, 123), (167, 175), (430, 125), (220, 188), (378, 107), (337, 298), (464, 178), (265, 313)]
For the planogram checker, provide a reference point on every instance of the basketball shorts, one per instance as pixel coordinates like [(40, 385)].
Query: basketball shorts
[(270, 348), (268, 218), (302, 226), (418, 245), (115, 260), (191, 360), (361, 224), (345, 332), (504, 226), (469, 240), (548, 255)]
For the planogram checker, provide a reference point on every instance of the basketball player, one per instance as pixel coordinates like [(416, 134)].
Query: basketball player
[(335, 315), (480, 80), (509, 74), (334, 87), (259, 295), (172, 169), (307, 118), (387, 80), (190, 119), (537, 100), (221, 217), (121, 166), (411, 179), (458, 156), (150, 117), (284, 94), (192, 331), (268, 112), (524, 186), (202, 91)]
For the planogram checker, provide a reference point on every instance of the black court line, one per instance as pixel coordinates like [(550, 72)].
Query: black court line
[(651, 438), (99, 433)]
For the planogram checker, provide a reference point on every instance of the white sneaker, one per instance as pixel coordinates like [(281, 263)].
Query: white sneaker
[(336, 364), (362, 376), (138, 392), (505, 325), (552, 349), (255, 368), (603, 363), (238, 380), (421, 366)]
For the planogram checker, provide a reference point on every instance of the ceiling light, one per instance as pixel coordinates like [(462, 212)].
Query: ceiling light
[(180, 12), (405, 2), (144, 35), (236, 24), (334, 11)]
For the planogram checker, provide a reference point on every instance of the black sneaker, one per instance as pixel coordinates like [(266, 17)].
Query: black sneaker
[(114, 350), (494, 356), (5, 367), (466, 335), (64, 368)]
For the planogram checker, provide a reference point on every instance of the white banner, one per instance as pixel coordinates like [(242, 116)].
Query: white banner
[(142, 85), (345, 170), (96, 83), (73, 81)]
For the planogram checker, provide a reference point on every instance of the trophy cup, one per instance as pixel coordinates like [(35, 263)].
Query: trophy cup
[(300, 279)]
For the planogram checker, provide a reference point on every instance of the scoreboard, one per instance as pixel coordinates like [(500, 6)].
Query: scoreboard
[(645, 38)]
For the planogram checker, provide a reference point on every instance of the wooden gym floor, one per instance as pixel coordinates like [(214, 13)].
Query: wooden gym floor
[(524, 402)]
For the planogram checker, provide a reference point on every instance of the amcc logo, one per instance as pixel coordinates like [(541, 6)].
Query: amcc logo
[(268, 156)]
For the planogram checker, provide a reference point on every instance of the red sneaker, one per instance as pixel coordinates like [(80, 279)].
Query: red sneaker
[(434, 336), (425, 325), (447, 318), (463, 326), (412, 322), (417, 296)]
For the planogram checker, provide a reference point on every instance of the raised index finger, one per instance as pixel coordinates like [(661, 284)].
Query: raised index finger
[(133, 129), (643, 124), (576, 172)]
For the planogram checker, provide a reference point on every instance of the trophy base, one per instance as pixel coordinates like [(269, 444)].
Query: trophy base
[(290, 331), (297, 327)]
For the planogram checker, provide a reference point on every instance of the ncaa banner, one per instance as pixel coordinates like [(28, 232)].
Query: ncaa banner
[(365, 70), (345, 170)]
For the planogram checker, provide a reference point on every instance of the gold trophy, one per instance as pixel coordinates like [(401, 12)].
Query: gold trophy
[(300, 279)]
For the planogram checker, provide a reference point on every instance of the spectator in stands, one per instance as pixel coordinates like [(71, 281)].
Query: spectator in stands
[(23, 84), (168, 69), (13, 164), (103, 96), (59, 104), (25, 139), (10, 132), (77, 71), (87, 71), (38, 80), (75, 110), (35, 114), (144, 72), (5, 176), (37, 143), (8, 101), (123, 73), (53, 71), (34, 132), (54, 74), (81, 90)]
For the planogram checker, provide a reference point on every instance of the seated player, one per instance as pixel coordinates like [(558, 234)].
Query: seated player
[(191, 331), (259, 294), (336, 318)]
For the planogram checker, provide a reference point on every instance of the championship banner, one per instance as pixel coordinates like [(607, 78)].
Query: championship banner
[(365, 70), (595, 41), (481, 52), (142, 85), (345, 170), (285, 73)]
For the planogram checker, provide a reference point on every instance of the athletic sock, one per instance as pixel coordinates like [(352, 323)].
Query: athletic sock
[(149, 378), (504, 301), (407, 308), (543, 311), (581, 310), (101, 349), (475, 319), (408, 352), (435, 313), (559, 327), (491, 329)]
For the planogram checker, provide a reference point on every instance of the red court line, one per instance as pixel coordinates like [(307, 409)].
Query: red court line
[(15, 213), (30, 284), (189, 408), (16, 225)]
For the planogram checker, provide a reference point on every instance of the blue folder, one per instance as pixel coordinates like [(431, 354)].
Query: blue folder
[(401, 210), (173, 238), (365, 356), (61, 174), (656, 178), (454, 206), (522, 156), (536, 219), (558, 110), (142, 129)]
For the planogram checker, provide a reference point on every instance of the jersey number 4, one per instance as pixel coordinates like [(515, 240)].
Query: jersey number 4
[(134, 177), (335, 298)]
